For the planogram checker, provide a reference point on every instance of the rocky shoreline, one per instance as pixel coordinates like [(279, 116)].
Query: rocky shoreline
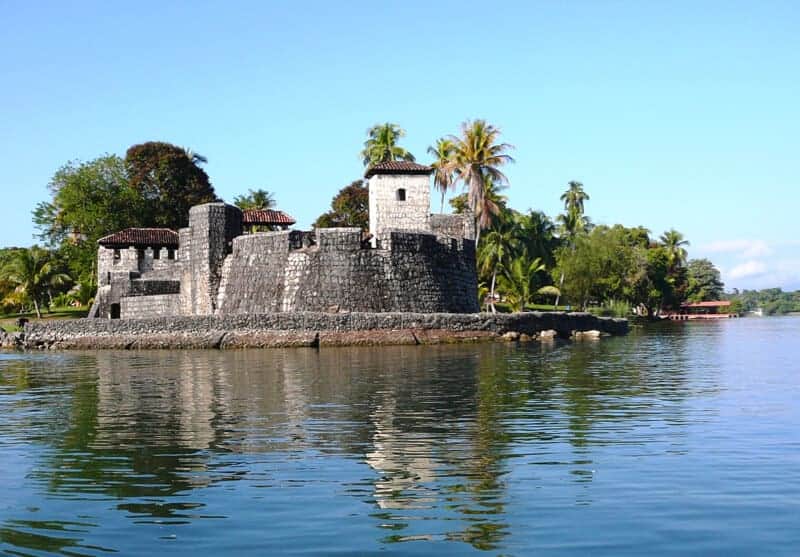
[(312, 329)]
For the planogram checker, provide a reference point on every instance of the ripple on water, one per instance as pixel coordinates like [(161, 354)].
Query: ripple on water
[(680, 438)]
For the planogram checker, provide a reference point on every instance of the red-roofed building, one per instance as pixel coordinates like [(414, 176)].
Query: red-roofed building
[(269, 218), (715, 309)]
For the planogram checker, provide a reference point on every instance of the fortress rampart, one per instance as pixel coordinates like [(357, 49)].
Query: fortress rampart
[(410, 262)]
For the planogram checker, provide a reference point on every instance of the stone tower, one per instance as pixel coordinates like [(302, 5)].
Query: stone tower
[(212, 228), (399, 197)]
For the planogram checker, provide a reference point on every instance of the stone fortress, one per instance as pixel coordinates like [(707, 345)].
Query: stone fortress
[(411, 260)]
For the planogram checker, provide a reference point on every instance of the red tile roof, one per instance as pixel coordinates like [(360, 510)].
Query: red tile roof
[(266, 217), (397, 167), (715, 304), (141, 237)]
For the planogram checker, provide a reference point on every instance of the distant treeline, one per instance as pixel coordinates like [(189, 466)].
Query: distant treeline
[(773, 301)]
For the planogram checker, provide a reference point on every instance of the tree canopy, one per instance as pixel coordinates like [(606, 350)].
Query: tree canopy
[(169, 181), (705, 283), (381, 145), (349, 208), (255, 199)]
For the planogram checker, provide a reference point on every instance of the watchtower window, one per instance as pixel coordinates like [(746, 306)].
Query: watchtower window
[(170, 253), (401, 194), (157, 253), (116, 255), (140, 254)]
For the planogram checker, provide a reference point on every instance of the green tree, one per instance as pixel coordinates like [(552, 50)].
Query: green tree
[(497, 250), (477, 157), (705, 282), (33, 272), (443, 174), (572, 221), (536, 233), (675, 242), (521, 280), (255, 199), (574, 198), (381, 145), (169, 181), (598, 266), (349, 208), (88, 201)]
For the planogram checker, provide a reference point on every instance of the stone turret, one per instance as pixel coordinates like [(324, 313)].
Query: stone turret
[(212, 228), (399, 197)]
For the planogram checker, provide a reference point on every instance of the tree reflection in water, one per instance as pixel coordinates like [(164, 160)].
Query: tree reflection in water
[(436, 429)]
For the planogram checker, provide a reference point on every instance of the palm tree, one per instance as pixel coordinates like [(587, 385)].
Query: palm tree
[(491, 205), (196, 158), (478, 156), (443, 176), (537, 233), (574, 197), (573, 221), (493, 257), (32, 271), (255, 199), (519, 281), (674, 242), (381, 145)]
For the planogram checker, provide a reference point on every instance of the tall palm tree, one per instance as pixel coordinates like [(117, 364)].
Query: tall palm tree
[(491, 205), (32, 271), (477, 157), (674, 242), (573, 221), (443, 176), (381, 145), (574, 198)]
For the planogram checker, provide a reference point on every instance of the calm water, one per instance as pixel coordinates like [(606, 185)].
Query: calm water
[(678, 439)]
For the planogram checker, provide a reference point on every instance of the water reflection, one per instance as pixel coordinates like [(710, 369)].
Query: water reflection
[(420, 440)]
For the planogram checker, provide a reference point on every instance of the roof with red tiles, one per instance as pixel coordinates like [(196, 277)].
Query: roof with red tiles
[(266, 217), (397, 167), (141, 237)]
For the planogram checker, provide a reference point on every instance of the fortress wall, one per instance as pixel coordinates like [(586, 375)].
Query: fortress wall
[(149, 287), (128, 262), (419, 272), (254, 274), (426, 273), (454, 226), (160, 305)]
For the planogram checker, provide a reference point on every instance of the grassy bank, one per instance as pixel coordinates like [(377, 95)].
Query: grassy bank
[(9, 321)]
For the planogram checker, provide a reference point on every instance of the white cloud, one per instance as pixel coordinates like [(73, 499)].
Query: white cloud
[(741, 248), (752, 268)]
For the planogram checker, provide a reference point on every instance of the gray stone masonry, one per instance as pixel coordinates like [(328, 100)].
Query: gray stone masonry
[(411, 272), (415, 262), (400, 202), (307, 328)]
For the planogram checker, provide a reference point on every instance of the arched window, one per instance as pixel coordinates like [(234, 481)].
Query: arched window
[(401, 194)]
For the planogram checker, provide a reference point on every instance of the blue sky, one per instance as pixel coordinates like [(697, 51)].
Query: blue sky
[(672, 114)]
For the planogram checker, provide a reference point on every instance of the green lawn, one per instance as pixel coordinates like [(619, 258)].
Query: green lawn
[(9, 321)]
